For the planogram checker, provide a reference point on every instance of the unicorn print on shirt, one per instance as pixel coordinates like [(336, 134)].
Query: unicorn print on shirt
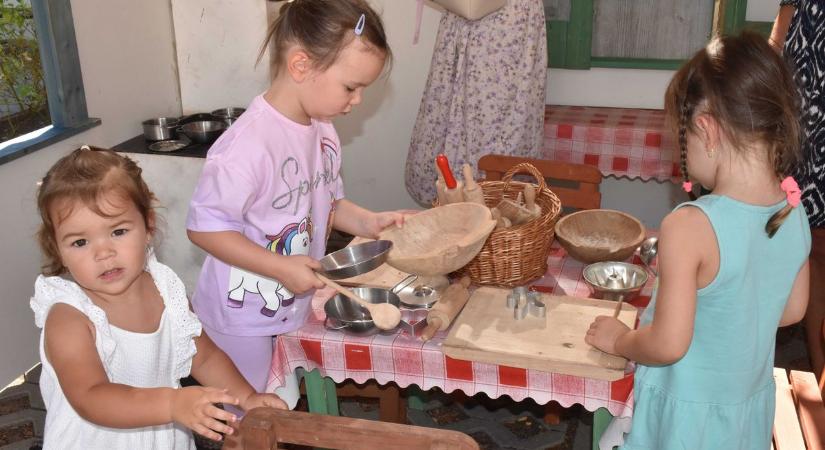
[(294, 239)]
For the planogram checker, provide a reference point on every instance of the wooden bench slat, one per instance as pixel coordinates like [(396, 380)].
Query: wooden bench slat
[(787, 434), (809, 406)]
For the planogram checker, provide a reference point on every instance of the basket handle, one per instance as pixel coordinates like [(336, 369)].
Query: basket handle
[(523, 168)]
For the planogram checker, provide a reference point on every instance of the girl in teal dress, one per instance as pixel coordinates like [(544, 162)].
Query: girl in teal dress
[(733, 264)]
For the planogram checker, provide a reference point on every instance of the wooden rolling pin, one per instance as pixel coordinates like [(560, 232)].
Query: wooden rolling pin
[(472, 191), (447, 308)]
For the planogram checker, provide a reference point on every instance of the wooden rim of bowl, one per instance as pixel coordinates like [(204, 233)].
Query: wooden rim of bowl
[(637, 241)]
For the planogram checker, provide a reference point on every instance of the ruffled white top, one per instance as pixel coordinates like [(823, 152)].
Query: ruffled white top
[(157, 359)]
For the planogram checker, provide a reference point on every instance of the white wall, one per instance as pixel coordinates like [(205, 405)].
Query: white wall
[(129, 63), (127, 59)]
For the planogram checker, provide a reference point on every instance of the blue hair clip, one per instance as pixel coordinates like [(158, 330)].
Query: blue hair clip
[(359, 27)]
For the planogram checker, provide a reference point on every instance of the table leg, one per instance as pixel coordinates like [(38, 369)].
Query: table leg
[(416, 398), (601, 418), (320, 393)]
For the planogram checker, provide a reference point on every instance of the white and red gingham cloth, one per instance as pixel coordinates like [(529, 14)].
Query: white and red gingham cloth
[(406, 360), (633, 143)]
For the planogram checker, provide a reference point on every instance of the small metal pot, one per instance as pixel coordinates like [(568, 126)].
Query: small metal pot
[(350, 317), (203, 131), (228, 115), (160, 128)]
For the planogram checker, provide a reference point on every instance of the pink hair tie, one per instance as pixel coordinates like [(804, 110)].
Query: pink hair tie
[(791, 190), (687, 186)]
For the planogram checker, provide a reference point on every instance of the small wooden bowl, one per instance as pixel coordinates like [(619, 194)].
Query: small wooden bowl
[(439, 240), (595, 235)]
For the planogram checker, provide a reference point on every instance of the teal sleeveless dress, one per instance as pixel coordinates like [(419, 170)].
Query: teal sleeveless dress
[(721, 394)]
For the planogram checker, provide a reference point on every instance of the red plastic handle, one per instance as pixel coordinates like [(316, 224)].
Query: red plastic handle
[(444, 167)]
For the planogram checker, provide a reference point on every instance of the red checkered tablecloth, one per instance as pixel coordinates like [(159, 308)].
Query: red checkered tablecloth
[(405, 360), (619, 141)]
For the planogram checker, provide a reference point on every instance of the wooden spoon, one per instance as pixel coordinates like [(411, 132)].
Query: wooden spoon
[(384, 315)]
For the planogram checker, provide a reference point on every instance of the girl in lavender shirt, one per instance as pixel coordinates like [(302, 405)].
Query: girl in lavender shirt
[(271, 189)]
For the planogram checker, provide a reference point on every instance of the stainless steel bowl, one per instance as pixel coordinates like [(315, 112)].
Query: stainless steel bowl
[(228, 115), (203, 131), (350, 317), (355, 260), (613, 280), (160, 128)]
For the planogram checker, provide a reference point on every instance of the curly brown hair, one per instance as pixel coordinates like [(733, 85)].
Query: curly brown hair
[(747, 87), (85, 175)]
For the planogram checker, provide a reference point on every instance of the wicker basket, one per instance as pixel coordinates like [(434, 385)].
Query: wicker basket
[(517, 255)]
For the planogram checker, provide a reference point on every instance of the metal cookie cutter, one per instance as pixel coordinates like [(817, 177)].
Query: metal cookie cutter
[(523, 301), (413, 322)]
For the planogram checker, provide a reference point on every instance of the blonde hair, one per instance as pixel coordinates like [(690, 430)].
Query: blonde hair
[(85, 175)]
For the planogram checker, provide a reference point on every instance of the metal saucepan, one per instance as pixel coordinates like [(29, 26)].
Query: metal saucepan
[(355, 260), (228, 115), (160, 128), (350, 317), (203, 131)]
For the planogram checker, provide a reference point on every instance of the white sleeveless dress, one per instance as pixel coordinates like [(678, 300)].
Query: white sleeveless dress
[(157, 359)]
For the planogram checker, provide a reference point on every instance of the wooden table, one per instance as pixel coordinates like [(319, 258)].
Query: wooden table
[(331, 356)]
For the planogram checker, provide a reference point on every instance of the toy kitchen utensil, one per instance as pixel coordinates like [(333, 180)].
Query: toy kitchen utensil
[(523, 301), (453, 192), (515, 210), (439, 240), (384, 315), (647, 253), (447, 308), (530, 202), (472, 191), (354, 260), (618, 281), (486, 332)]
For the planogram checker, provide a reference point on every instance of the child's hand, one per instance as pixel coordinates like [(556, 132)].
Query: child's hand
[(255, 400), (300, 275), (380, 220), (193, 407), (604, 332)]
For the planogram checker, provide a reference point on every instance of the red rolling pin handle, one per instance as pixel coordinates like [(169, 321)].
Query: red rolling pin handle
[(444, 167)]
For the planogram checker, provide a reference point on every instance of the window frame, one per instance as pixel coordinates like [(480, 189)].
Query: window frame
[(63, 78), (569, 42)]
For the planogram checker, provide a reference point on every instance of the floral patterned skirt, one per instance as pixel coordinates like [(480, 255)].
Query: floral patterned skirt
[(484, 94)]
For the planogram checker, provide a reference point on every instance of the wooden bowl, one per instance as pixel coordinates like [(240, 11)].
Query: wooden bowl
[(439, 240), (594, 235)]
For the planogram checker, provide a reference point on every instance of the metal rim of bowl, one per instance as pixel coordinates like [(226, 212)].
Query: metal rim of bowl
[(231, 112), (628, 266), (203, 126), (355, 267)]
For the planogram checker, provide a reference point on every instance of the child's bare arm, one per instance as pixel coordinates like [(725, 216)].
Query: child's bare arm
[(231, 247), (212, 367), (685, 236), (781, 26), (798, 300), (359, 221), (70, 348)]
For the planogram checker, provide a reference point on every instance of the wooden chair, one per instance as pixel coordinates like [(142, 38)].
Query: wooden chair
[(265, 428), (585, 196)]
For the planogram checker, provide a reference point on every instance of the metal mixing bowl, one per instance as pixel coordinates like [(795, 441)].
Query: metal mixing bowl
[(350, 317), (203, 131), (228, 115), (613, 280), (355, 260)]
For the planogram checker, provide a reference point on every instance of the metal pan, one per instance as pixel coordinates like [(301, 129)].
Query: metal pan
[(355, 260), (350, 317)]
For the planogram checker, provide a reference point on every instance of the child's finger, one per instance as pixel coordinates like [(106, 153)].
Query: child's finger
[(216, 426), (276, 403), (206, 432), (220, 414), (220, 396)]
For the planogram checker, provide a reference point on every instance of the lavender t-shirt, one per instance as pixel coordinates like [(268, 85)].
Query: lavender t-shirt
[(276, 182)]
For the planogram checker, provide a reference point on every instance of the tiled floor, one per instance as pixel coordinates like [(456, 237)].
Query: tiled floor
[(494, 424)]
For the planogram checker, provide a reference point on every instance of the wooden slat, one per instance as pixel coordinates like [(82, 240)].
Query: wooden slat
[(809, 407), (264, 428), (787, 434)]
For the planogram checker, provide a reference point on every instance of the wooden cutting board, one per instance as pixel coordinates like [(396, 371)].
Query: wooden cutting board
[(383, 276), (486, 331)]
